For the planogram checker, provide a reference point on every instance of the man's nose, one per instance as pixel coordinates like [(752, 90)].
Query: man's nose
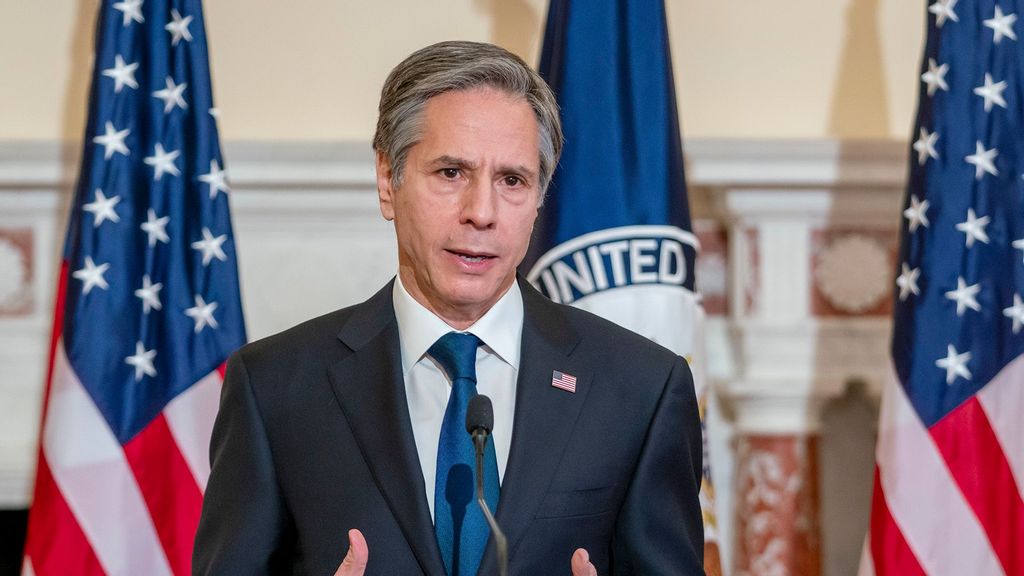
[(479, 204)]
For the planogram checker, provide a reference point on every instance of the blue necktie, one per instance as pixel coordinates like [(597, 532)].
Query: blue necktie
[(460, 525)]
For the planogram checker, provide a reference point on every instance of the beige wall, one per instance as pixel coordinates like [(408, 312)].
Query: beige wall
[(311, 69)]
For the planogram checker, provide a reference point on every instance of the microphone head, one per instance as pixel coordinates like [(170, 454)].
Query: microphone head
[(479, 414)]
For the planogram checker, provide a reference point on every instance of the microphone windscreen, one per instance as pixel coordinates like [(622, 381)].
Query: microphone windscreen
[(479, 414)]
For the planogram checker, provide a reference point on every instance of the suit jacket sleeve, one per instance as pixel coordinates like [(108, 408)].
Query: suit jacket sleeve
[(244, 524), (660, 529)]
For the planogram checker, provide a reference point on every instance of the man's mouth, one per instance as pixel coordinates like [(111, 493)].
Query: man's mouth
[(472, 257)]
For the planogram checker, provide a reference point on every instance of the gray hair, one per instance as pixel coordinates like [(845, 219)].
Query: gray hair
[(451, 66)]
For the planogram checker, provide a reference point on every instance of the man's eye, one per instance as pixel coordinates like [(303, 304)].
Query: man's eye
[(450, 173), (513, 181)]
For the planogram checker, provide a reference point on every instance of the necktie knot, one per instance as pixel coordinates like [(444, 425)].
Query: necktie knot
[(456, 352)]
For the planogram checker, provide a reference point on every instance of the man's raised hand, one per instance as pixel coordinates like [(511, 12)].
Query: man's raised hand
[(581, 565), (354, 563)]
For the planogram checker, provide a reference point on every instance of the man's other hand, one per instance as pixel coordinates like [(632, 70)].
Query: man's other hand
[(581, 565), (354, 563)]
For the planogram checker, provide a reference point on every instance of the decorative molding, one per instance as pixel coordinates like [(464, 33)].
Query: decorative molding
[(748, 164), (793, 164), (792, 348)]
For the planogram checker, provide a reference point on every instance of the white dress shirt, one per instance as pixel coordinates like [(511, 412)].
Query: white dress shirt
[(427, 388)]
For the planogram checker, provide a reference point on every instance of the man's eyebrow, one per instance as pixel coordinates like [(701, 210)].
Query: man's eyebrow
[(446, 160), (517, 169)]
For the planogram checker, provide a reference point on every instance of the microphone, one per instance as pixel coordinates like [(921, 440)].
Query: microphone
[(479, 422)]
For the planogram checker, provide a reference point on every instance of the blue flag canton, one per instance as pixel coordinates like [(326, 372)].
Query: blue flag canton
[(623, 160), (959, 311), (152, 302)]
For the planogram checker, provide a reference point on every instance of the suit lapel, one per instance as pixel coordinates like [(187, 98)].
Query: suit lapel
[(544, 416), (371, 391)]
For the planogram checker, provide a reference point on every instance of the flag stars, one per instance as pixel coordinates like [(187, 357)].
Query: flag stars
[(925, 146), (943, 10), (1018, 244), (1001, 25), (935, 77), (965, 296), (210, 246), (123, 74), (92, 275), (954, 364), (202, 314), (112, 141), (983, 160), (916, 214), (142, 361), (1016, 312), (172, 95), (216, 178), (102, 208), (131, 11), (992, 92), (163, 162), (974, 228), (178, 27), (907, 282), (155, 228), (149, 294)]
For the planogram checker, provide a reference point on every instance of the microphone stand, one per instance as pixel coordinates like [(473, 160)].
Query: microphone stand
[(501, 543)]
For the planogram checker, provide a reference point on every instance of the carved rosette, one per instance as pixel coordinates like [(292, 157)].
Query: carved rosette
[(15, 272), (852, 273), (777, 507)]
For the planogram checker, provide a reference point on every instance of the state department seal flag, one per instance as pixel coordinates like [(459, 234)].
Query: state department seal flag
[(614, 234), (950, 455), (147, 308)]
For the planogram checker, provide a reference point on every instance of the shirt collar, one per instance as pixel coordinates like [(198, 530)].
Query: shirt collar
[(500, 328)]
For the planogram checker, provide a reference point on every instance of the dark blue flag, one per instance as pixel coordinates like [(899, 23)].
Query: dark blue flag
[(614, 234)]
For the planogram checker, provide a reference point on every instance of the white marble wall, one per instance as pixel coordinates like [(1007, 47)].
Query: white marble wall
[(783, 220)]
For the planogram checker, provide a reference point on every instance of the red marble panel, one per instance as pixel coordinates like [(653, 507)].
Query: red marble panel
[(713, 266), (777, 507)]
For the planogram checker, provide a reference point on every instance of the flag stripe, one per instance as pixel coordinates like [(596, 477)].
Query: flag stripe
[(975, 458), (170, 491), (867, 566), (89, 467), (1002, 400), (923, 497), (190, 419), (889, 549), (56, 544)]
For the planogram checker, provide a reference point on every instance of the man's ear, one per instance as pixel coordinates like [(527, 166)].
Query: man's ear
[(385, 193)]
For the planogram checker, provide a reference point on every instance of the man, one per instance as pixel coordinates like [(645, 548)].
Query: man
[(348, 425)]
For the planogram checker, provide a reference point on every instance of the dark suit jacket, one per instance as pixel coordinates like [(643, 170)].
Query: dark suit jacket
[(314, 438)]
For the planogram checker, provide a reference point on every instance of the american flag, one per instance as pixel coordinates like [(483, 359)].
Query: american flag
[(950, 455), (147, 308), (563, 381)]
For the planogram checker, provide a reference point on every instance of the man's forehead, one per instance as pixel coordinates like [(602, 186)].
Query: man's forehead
[(478, 125)]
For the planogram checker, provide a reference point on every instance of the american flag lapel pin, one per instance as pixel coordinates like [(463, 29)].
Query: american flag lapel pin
[(563, 381)]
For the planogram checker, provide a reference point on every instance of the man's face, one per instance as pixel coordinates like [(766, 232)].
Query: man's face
[(467, 203)]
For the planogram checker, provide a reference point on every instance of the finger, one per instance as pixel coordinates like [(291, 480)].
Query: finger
[(354, 563), (581, 565)]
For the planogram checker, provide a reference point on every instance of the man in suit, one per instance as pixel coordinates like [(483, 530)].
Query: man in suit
[(340, 440)]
